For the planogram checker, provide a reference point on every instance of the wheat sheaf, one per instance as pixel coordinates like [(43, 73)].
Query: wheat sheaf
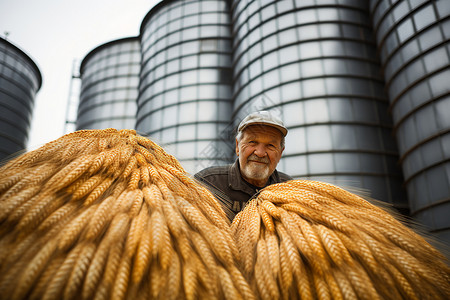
[(313, 240), (108, 214)]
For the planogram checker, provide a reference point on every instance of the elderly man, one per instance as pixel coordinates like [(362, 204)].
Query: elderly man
[(259, 145)]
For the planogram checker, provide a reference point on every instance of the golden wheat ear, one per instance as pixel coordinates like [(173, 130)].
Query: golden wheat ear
[(308, 239), (109, 214)]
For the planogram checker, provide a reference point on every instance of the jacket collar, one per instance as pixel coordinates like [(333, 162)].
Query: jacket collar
[(236, 182)]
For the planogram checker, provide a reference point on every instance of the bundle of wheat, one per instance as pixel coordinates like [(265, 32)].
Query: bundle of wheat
[(107, 214), (312, 240)]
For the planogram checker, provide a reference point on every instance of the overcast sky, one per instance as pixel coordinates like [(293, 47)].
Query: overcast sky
[(58, 33)]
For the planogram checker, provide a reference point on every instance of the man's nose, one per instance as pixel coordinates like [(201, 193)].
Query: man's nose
[(260, 150)]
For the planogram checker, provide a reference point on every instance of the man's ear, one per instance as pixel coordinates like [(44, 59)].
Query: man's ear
[(237, 148)]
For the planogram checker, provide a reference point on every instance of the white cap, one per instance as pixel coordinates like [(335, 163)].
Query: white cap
[(263, 118)]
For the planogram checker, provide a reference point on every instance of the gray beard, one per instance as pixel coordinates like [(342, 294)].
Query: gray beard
[(255, 172)]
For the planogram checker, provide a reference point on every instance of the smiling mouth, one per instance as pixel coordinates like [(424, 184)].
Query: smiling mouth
[(258, 162)]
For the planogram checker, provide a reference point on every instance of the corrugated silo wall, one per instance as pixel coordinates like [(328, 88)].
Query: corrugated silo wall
[(315, 65), (185, 90), (109, 85), (20, 80), (413, 40)]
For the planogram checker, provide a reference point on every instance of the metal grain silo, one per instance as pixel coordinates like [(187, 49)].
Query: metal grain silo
[(109, 85), (185, 88), (20, 80), (413, 41), (314, 63)]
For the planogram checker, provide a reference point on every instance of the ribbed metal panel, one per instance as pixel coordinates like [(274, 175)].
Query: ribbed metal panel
[(314, 63), (413, 39), (20, 80), (185, 90), (109, 86)]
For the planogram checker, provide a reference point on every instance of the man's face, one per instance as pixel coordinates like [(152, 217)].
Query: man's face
[(259, 152)]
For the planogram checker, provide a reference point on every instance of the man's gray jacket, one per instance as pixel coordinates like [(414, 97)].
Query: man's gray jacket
[(232, 191)]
